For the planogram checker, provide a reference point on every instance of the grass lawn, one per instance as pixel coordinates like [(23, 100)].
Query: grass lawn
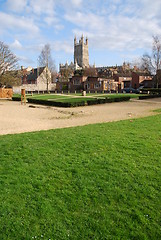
[(89, 96), (157, 110), (99, 181), (111, 95)]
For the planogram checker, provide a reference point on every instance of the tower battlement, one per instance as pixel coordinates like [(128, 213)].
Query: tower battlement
[(81, 41)]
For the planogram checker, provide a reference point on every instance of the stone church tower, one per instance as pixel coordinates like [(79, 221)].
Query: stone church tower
[(81, 56)]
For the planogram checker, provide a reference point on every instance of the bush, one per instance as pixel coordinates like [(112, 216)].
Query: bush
[(152, 90), (92, 102), (107, 100), (56, 104), (84, 102), (149, 96), (16, 98)]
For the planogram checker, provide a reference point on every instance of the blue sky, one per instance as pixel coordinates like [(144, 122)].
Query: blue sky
[(118, 30)]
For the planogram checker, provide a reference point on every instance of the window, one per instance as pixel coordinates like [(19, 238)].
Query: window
[(76, 81), (96, 85)]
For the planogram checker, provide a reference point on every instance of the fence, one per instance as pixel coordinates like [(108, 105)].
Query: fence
[(6, 92)]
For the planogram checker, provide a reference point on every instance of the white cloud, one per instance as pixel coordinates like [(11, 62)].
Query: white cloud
[(39, 10), (87, 21), (26, 60), (16, 45), (16, 5), (17, 23), (76, 3), (62, 46), (42, 7), (129, 25)]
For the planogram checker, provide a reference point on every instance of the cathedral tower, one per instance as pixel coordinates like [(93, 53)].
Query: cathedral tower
[(81, 56)]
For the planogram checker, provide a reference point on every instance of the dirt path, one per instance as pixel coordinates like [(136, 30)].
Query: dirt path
[(17, 118)]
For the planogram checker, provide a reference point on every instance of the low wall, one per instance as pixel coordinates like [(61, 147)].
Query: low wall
[(6, 92), (34, 87)]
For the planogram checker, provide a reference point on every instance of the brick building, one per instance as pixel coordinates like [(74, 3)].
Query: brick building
[(123, 79), (141, 79)]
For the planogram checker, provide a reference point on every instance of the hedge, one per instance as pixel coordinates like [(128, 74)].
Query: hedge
[(16, 98), (151, 90), (149, 96), (93, 101), (56, 104), (107, 100)]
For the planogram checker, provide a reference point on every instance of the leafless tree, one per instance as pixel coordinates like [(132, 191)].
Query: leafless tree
[(9, 74), (45, 60), (65, 74), (153, 62), (90, 71)]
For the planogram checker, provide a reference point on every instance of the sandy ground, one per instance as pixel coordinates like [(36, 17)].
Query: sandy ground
[(17, 118)]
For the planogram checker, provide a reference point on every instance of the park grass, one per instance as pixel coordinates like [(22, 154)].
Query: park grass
[(157, 110), (67, 98), (111, 95), (99, 181), (77, 96)]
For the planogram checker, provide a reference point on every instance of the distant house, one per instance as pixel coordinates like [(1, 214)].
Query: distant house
[(157, 79), (124, 79), (77, 83), (141, 79), (92, 84), (36, 79)]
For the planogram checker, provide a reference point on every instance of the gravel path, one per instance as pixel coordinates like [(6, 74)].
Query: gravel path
[(17, 118)]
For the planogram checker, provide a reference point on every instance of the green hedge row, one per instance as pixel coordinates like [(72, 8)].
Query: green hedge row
[(149, 96), (55, 103), (107, 100), (152, 90), (93, 101), (16, 98)]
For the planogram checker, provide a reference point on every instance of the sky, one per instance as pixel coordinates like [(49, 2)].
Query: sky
[(117, 30)]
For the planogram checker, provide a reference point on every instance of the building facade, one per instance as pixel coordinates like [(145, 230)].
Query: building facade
[(36, 79), (141, 79)]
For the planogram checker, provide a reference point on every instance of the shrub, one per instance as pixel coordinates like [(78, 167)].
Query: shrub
[(152, 90), (75, 103), (16, 98), (149, 96), (92, 102)]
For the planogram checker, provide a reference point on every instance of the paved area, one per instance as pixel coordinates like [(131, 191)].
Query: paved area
[(17, 118)]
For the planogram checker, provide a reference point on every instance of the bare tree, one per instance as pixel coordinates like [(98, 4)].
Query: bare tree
[(45, 60), (9, 75), (66, 74), (153, 62), (90, 71)]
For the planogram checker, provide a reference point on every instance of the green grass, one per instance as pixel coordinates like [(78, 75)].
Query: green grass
[(75, 99), (99, 181), (49, 96), (75, 96), (157, 110)]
